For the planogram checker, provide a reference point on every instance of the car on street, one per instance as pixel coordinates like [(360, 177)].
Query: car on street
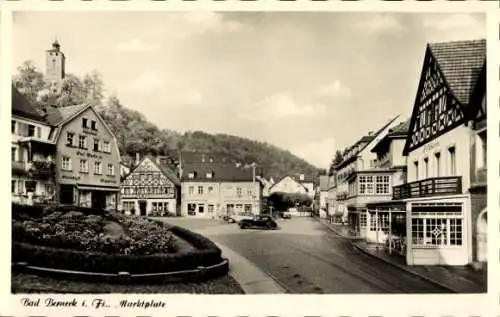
[(286, 215), (260, 221), (240, 216)]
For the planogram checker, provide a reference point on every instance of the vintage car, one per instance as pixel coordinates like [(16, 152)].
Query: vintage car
[(260, 221), (239, 216)]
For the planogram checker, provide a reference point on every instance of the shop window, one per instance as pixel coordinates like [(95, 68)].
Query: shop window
[(66, 163), (191, 209), (239, 208), (160, 206), (201, 208), (455, 231), (165, 205), (437, 231), (363, 219), (229, 208), (154, 206), (210, 208), (248, 208)]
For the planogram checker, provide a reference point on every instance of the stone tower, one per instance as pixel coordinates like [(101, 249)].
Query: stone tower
[(55, 61)]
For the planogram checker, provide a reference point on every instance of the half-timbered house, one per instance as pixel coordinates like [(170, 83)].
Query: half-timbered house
[(438, 150), (151, 189)]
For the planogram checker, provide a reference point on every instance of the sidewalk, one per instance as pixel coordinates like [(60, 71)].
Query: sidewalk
[(459, 279), (340, 230), (251, 279)]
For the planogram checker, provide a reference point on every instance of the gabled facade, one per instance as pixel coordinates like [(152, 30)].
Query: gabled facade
[(289, 185), (212, 190), (33, 154), (438, 149), (87, 158), (151, 189)]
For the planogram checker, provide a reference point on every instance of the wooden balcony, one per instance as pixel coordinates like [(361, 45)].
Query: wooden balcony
[(438, 186)]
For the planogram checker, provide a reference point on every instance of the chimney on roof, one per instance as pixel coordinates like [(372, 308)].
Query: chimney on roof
[(370, 133)]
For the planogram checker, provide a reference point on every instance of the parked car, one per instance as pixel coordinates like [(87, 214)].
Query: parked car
[(240, 216), (260, 221), (286, 215)]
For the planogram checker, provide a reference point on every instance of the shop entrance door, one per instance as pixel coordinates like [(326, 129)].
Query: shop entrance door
[(67, 194), (98, 199), (142, 207)]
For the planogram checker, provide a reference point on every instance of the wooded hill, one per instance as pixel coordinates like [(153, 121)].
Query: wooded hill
[(135, 134)]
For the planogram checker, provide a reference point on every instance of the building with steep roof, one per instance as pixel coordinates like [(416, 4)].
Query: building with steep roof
[(33, 153), (212, 189), (356, 182), (446, 157), (151, 188), (87, 158)]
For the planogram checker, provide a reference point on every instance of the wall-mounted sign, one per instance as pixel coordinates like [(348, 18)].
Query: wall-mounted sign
[(108, 181), (430, 146), (70, 177)]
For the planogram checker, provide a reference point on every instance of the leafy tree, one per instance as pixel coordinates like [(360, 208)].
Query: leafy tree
[(29, 81)]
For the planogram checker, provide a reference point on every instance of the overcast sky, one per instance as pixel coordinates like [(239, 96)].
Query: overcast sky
[(307, 82)]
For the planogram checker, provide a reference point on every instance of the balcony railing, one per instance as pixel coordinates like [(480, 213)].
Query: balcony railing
[(429, 187), (37, 169)]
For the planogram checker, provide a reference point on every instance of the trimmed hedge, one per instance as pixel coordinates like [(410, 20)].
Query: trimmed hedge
[(207, 254)]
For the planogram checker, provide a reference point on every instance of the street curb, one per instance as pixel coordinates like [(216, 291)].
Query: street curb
[(331, 229), (357, 246)]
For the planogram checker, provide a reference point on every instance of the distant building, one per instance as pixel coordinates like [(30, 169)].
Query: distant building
[(55, 63), (33, 153), (87, 159), (290, 185), (323, 192), (216, 189), (151, 189), (357, 182)]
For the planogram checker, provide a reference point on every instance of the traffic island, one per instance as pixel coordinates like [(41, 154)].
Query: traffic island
[(81, 244)]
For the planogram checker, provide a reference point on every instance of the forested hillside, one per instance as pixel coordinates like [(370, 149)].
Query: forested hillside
[(135, 134)]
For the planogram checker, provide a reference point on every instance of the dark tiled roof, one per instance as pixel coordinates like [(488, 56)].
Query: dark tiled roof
[(169, 173), (363, 142), (200, 157), (222, 172), (57, 115), (323, 182), (23, 108), (461, 63), (400, 130)]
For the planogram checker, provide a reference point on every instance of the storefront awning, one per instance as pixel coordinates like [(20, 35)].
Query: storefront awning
[(101, 188)]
